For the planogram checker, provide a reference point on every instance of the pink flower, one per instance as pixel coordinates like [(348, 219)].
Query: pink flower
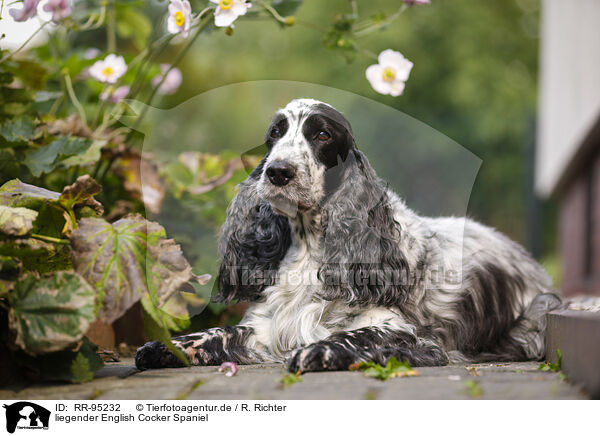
[(115, 96), (172, 81), (60, 9), (416, 2), (91, 53), (229, 368), (28, 10)]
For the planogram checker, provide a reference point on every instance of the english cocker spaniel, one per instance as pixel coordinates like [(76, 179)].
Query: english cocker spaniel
[(337, 269)]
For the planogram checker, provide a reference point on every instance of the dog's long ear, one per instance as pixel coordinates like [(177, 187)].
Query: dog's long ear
[(252, 243), (362, 262)]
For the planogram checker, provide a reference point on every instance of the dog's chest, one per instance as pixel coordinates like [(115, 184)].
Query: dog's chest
[(293, 314)]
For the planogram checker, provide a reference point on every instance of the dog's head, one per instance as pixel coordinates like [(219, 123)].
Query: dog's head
[(305, 140), (313, 163)]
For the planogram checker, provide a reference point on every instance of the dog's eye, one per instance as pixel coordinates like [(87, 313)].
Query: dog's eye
[(275, 133), (323, 136)]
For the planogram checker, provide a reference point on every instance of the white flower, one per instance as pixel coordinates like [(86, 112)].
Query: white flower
[(109, 70), (389, 75), (229, 10), (28, 10), (180, 17), (115, 96), (60, 9), (171, 82)]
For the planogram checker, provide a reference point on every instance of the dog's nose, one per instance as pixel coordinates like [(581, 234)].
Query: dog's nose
[(280, 172)]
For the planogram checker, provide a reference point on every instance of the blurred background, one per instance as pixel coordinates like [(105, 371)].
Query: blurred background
[(474, 80)]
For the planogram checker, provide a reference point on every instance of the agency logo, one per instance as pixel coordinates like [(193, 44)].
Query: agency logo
[(26, 415)]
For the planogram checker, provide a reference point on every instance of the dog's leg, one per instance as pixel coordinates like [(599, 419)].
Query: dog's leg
[(208, 347), (378, 344)]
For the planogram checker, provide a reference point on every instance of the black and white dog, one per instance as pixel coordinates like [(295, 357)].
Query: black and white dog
[(338, 270)]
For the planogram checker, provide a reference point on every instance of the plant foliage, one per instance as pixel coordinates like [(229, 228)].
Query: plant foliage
[(75, 246), (393, 368)]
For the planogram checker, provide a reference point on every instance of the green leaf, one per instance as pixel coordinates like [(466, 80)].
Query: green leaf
[(15, 193), (287, 7), (14, 108), (82, 193), (176, 308), (45, 159), (50, 222), (473, 389), (73, 366), (154, 330), (393, 368), (10, 269), (16, 221), (128, 260), (289, 379), (37, 255), (549, 366), (9, 165), (6, 78), (91, 155), (31, 74), (18, 129), (81, 369), (50, 313)]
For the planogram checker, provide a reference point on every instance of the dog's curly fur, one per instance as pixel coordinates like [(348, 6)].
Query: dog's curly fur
[(338, 269)]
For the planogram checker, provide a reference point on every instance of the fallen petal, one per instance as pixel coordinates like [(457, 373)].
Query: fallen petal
[(230, 369)]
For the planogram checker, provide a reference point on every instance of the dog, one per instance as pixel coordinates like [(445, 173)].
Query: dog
[(338, 270)]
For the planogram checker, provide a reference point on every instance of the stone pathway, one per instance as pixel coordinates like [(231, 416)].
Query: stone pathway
[(260, 382)]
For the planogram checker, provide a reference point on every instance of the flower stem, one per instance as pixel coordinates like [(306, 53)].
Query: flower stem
[(354, 8), (370, 28), (73, 98), (9, 55), (366, 52), (90, 25), (50, 239), (270, 9), (111, 34), (175, 62), (149, 57)]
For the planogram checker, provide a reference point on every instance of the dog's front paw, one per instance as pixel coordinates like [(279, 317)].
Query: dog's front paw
[(318, 357), (155, 355)]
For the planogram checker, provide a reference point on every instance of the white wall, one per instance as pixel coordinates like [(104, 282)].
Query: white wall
[(569, 102)]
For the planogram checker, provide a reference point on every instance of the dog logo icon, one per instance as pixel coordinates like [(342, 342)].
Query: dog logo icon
[(26, 415)]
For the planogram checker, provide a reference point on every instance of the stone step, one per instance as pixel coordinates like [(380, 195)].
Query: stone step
[(577, 334)]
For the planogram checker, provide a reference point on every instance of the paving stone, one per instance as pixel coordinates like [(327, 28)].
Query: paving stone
[(520, 380)]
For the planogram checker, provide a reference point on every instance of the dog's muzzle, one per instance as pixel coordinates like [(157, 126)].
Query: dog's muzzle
[(280, 172)]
